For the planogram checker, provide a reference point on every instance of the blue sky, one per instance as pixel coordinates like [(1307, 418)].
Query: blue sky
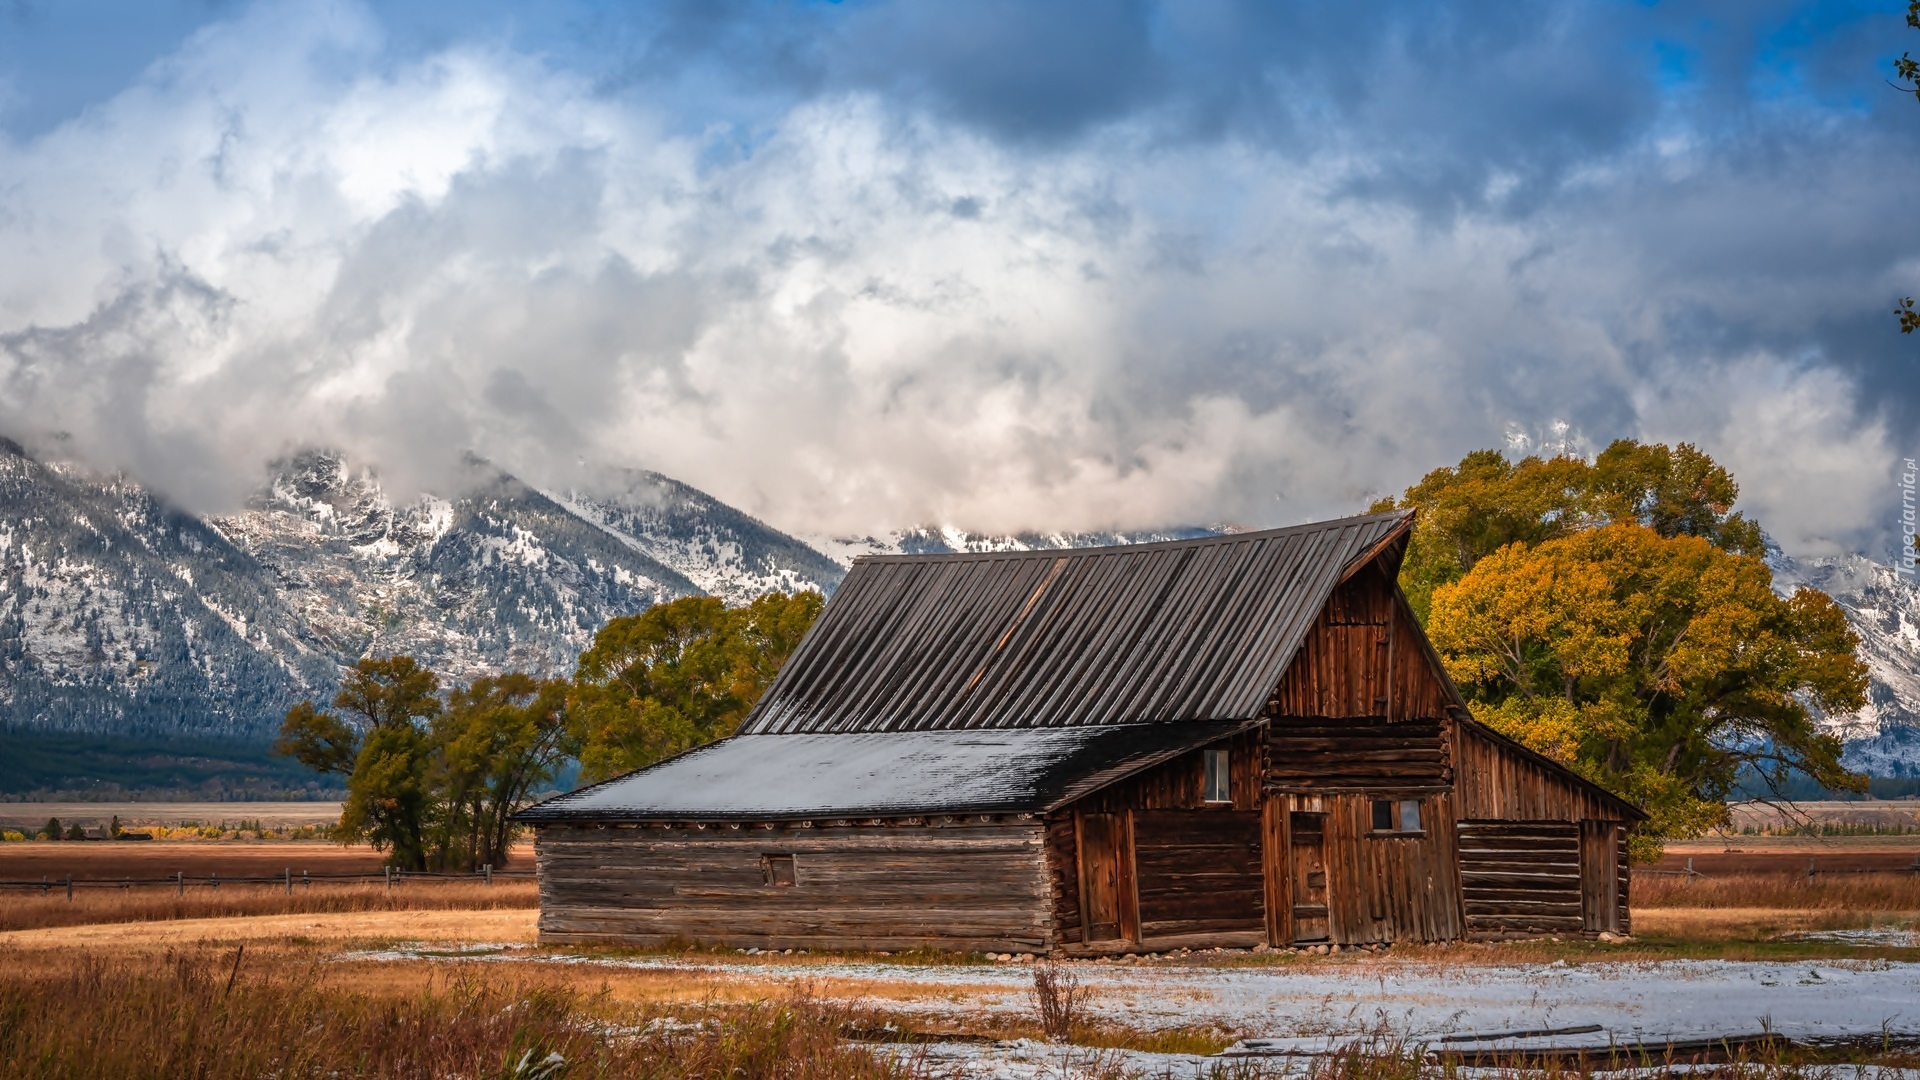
[(996, 264)]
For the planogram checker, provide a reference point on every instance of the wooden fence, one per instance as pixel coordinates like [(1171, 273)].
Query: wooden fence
[(288, 879)]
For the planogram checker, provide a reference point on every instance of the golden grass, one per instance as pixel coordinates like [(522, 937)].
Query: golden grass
[(26, 910), (1718, 924), (1790, 892), (212, 1015)]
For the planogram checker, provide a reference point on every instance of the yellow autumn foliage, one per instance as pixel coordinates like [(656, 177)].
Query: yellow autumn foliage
[(1663, 667)]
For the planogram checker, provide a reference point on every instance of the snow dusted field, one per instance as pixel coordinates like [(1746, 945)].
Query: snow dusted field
[(1327, 1002)]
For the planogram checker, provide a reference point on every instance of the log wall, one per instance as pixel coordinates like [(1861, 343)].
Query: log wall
[(972, 886), (1198, 873), (1357, 753), (1521, 877), (1190, 870)]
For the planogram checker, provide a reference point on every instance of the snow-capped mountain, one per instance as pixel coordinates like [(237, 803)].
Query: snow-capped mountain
[(939, 541), (121, 615), (1883, 605)]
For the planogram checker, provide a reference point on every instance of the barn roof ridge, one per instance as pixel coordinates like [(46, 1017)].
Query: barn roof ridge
[(1179, 630), (1094, 550)]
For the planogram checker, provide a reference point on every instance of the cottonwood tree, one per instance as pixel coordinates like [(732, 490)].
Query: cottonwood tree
[(379, 742), (678, 675), (498, 739), (1473, 509), (1661, 667), (1618, 616)]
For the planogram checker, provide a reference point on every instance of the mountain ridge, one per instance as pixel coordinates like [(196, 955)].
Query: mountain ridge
[(120, 614)]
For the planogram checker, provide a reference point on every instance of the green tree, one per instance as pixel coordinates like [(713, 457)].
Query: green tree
[(678, 675), (499, 739), (1664, 668), (53, 830), (380, 745), (1486, 502)]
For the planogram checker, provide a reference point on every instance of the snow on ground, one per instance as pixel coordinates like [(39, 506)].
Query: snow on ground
[(1631, 1001)]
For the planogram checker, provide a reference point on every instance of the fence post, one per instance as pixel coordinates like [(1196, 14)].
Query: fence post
[(489, 870), (180, 881), (1690, 874), (1810, 870), (389, 872), (69, 888), (289, 881), (306, 883)]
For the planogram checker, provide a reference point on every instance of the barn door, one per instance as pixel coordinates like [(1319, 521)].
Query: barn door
[(1106, 878), (1308, 845), (1599, 876)]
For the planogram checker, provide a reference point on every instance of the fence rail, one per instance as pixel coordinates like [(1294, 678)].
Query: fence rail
[(1813, 870), (287, 878)]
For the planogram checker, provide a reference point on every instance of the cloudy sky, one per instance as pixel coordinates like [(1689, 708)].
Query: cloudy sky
[(1040, 264)]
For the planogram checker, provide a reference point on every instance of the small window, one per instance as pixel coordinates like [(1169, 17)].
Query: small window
[(778, 868), (1219, 781), (1396, 816)]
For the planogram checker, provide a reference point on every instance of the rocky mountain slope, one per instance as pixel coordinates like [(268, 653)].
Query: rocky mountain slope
[(121, 615), (118, 614), (1883, 605)]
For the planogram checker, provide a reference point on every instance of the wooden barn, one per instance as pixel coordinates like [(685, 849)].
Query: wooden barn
[(1224, 741)]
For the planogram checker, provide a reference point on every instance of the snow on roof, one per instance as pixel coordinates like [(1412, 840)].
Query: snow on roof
[(891, 773)]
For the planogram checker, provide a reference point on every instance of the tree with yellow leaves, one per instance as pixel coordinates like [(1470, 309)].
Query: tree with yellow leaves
[(1664, 668)]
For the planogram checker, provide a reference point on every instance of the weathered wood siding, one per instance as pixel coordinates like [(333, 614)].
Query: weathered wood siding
[(1180, 784), (1521, 877), (1496, 783), (964, 886), (1188, 871), (1604, 876), (1357, 753), (1364, 657), (1198, 872), (1063, 876), (1380, 886)]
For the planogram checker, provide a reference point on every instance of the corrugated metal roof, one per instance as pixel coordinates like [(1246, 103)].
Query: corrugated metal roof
[(1184, 630), (880, 774)]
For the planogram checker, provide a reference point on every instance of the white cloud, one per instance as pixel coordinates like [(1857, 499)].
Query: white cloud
[(874, 318)]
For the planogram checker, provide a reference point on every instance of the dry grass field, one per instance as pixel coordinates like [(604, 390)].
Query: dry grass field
[(32, 815), (192, 986), (163, 858)]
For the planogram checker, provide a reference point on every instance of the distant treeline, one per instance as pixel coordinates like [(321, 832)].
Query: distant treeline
[(41, 766)]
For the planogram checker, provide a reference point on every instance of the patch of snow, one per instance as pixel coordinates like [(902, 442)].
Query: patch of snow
[(1632, 1001)]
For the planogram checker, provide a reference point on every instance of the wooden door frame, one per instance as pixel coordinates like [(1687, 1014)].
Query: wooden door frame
[(1126, 880), (1276, 859), (1600, 881)]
